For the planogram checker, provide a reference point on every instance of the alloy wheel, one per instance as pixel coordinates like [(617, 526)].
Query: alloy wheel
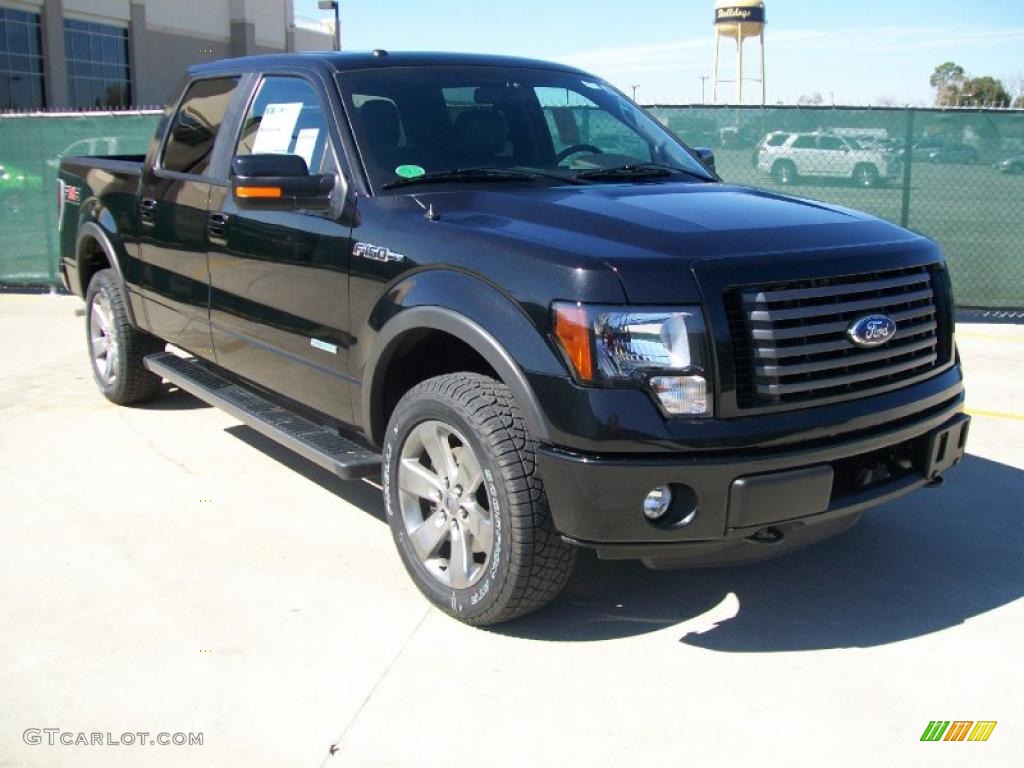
[(103, 340), (445, 504)]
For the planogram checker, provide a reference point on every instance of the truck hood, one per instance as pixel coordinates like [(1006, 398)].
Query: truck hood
[(652, 234)]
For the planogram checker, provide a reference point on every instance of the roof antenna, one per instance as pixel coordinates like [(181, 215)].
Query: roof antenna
[(431, 214)]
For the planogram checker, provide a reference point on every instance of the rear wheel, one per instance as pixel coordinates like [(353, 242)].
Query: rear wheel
[(466, 503), (784, 172), (116, 348)]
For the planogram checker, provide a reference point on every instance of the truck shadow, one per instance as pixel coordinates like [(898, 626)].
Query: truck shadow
[(357, 493), (918, 565)]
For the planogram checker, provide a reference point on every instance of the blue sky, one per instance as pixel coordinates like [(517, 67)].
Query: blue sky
[(852, 51)]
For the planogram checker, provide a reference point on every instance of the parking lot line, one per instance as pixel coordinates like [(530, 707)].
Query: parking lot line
[(996, 414), (991, 337)]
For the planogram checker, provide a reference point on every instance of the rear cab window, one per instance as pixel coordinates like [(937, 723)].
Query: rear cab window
[(193, 132)]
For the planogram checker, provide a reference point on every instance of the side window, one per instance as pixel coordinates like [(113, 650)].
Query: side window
[(287, 118), (805, 142), (194, 129), (777, 139), (831, 143)]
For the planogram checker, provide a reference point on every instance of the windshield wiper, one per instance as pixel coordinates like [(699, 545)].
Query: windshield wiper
[(638, 171), (477, 174)]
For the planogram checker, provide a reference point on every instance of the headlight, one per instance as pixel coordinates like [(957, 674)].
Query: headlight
[(664, 350)]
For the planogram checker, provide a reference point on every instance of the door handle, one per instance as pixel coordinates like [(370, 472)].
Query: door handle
[(147, 208), (217, 226)]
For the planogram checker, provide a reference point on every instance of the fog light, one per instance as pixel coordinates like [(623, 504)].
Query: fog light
[(657, 502), (683, 395)]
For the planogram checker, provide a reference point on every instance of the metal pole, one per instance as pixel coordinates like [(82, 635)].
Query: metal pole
[(714, 71), (703, 82), (739, 63), (908, 140), (764, 86)]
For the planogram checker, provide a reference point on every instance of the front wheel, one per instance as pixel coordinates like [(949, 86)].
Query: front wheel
[(466, 503), (116, 348), (784, 172)]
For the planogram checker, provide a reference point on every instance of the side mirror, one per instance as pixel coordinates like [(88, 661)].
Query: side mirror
[(278, 183), (707, 157)]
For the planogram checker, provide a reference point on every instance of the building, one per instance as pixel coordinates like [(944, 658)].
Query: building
[(57, 54)]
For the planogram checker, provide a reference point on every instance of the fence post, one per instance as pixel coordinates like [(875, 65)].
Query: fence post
[(908, 141)]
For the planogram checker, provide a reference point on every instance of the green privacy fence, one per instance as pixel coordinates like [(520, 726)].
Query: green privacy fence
[(955, 175), (31, 147)]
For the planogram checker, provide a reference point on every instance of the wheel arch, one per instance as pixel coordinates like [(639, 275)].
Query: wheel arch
[(488, 323), (447, 325), (94, 250)]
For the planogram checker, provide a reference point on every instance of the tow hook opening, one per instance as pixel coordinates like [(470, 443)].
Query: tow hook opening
[(767, 535)]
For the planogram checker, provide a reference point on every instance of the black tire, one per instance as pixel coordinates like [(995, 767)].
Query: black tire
[(866, 176), (784, 172), (528, 564), (130, 382)]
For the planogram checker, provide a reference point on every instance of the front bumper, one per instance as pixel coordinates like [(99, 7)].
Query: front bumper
[(750, 504)]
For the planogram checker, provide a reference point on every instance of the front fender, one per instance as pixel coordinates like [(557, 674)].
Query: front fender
[(484, 318)]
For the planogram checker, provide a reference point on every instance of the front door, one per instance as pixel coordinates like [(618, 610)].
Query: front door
[(174, 203), (279, 306)]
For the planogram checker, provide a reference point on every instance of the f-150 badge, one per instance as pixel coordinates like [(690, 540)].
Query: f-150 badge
[(376, 252)]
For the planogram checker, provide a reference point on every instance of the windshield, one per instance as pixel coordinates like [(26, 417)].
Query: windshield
[(423, 121)]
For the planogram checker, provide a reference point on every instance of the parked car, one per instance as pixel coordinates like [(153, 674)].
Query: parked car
[(788, 157), (737, 137), (97, 145), (958, 153), (398, 266), (1014, 164), (922, 150), (17, 186)]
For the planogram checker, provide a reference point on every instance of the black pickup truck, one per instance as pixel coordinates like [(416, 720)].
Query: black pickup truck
[(538, 316)]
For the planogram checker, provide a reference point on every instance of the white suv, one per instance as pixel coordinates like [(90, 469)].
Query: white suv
[(789, 156)]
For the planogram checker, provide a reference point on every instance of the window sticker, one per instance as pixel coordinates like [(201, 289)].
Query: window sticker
[(410, 171), (275, 132), (305, 145)]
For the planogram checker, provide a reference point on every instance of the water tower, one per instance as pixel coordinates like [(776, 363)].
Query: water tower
[(738, 20)]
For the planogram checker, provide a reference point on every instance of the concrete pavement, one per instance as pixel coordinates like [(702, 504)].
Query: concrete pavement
[(164, 569)]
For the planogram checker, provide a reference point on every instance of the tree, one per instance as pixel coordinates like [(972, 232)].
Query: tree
[(947, 80), (1019, 102), (947, 74), (984, 92)]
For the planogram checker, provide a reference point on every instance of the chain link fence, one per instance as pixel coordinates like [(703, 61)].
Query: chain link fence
[(954, 175)]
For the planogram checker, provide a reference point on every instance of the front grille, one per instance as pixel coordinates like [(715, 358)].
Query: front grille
[(790, 343)]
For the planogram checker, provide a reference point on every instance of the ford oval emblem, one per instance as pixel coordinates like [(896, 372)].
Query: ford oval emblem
[(871, 331)]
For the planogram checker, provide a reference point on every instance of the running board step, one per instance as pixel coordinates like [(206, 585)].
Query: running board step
[(346, 458)]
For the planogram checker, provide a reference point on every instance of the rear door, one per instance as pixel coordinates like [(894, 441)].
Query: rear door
[(834, 156), (279, 303), (804, 153), (174, 199)]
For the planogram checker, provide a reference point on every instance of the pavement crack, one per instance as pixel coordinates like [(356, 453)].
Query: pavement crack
[(335, 748), (152, 446)]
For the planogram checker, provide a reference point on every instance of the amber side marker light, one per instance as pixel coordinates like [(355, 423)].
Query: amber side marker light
[(573, 334), (257, 191)]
